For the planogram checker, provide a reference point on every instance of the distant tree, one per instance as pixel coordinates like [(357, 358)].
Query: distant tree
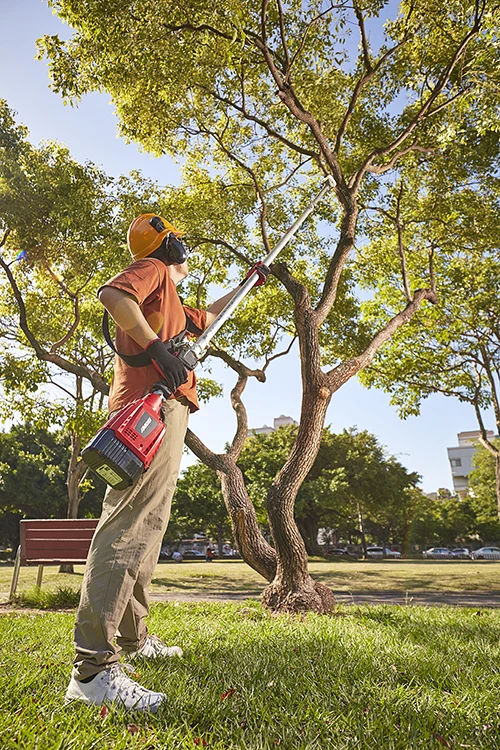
[(482, 494), (198, 505), (33, 468), (353, 484)]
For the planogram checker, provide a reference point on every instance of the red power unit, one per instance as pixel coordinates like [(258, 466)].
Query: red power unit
[(124, 447)]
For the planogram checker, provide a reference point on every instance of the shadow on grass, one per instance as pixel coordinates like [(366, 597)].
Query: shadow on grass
[(208, 585)]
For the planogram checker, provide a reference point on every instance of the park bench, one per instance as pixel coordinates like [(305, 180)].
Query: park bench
[(52, 541)]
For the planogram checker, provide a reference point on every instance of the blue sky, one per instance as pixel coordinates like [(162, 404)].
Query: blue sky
[(90, 131)]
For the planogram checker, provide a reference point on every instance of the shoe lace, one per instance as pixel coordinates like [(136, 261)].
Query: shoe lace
[(118, 672)]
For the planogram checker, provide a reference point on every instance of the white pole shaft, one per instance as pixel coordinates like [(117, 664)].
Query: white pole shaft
[(203, 341)]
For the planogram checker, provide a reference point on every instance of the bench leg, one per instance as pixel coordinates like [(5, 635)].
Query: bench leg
[(39, 577), (15, 575)]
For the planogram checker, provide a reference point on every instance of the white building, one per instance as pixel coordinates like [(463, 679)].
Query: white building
[(460, 458), (278, 422)]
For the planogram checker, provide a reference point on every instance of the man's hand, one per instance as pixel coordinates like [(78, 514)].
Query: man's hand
[(167, 365), (263, 272)]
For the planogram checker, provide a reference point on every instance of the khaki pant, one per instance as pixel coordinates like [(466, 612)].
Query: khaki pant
[(123, 555)]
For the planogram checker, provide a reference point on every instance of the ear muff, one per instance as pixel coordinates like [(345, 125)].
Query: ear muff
[(175, 251)]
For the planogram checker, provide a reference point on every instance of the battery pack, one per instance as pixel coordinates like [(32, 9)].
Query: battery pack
[(125, 446), (110, 459)]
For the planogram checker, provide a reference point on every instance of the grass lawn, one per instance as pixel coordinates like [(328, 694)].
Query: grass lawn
[(370, 678), (236, 577)]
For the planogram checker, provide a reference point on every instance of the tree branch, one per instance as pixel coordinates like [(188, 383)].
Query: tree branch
[(426, 106), (346, 370), (241, 418), (94, 377)]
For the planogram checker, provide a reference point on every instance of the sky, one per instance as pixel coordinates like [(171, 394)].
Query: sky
[(90, 131)]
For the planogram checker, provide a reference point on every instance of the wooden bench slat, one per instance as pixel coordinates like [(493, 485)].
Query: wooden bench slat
[(58, 549), (61, 536), (55, 561), (60, 523)]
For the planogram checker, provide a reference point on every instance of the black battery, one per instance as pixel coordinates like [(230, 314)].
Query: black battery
[(111, 460)]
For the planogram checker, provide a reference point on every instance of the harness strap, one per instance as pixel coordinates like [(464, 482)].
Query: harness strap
[(143, 359)]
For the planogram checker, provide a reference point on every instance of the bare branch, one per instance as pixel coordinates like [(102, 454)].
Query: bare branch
[(364, 40), (309, 26), (222, 243), (283, 37), (337, 263), (401, 249), (279, 354), (241, 418), (263, 124), (369, 72), (4, 238), (383, 168), (200, 450), (236, 365)]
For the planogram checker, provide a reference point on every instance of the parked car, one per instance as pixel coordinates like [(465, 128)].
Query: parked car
[(437, 553), (193, 554), (337, 552), (379, 552), (462, 553), (486, 553)]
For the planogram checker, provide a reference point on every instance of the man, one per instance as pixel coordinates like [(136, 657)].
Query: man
[(114, 601)]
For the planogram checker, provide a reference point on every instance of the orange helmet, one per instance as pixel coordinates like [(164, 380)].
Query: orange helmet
[(146, 233)]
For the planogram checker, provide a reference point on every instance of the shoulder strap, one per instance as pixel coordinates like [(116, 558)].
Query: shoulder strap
[(133, 360), (192, 327)]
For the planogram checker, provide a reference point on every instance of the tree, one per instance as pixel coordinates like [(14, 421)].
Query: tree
[(198, 504), (33, 466), (351, 478), (56, 221), (272, 96), (453, 349), (482, 495)]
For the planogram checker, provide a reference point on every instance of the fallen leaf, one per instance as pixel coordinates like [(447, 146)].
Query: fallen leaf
[(228, 694), (441, 740), (132, 728), (104, 711), (200, 741)]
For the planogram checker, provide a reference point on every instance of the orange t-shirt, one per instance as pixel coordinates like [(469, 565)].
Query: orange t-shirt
[(147, 280)]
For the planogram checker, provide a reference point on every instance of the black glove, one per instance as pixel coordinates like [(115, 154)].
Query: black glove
[(167, 365)]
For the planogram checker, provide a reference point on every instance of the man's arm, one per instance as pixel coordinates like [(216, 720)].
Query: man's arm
[(217, 306), (127, 314)]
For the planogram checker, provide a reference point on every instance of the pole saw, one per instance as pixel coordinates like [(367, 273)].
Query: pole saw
[(125, 446)]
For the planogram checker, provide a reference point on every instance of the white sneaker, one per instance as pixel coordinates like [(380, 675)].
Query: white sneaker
[(113, 685), (154, 648)]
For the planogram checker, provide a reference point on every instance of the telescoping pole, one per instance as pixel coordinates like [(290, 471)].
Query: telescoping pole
[(202, 342)]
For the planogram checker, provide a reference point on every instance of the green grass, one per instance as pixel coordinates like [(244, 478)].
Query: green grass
[(370, 678), (235, 577)]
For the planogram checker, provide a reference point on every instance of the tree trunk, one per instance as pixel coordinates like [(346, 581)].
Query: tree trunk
[(75, 473), (362, 532), (252, 546), (220, 542), (308, 528), (497, 479), (292, 589)]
